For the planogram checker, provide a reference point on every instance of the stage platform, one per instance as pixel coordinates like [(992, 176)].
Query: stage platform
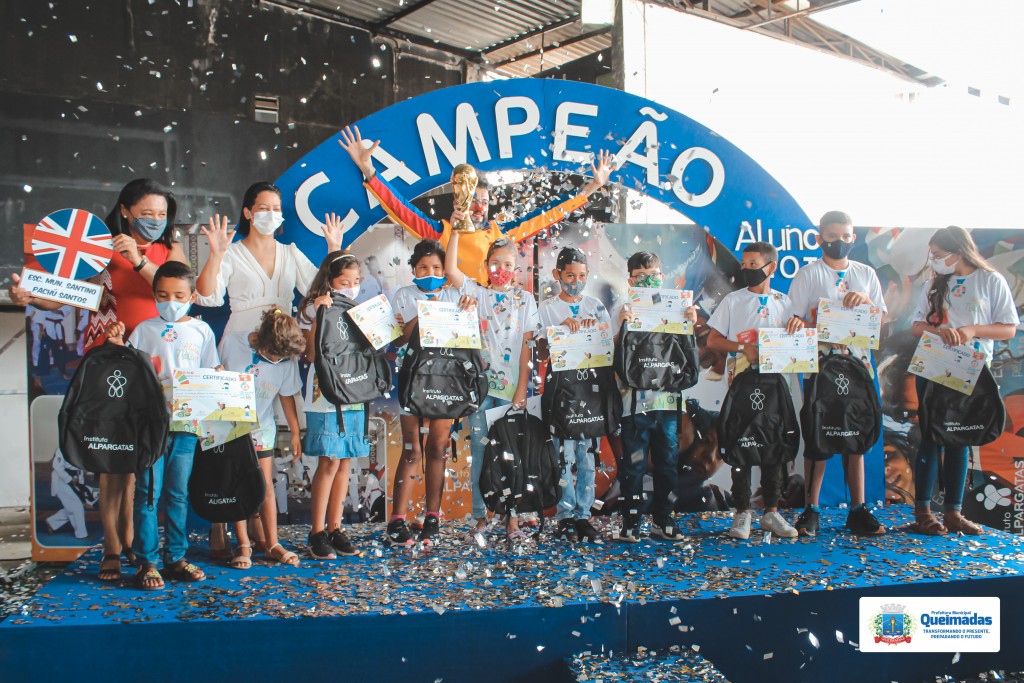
[(755, 610)]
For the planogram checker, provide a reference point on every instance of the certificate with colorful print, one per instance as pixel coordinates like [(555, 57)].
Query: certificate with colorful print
[(445, 325), (376, 319), (956, 367), (589, 347), (781, 352), (659, 310), (859, 326), (215, 406)]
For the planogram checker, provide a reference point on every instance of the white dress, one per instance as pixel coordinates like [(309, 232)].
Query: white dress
[(251, 291)]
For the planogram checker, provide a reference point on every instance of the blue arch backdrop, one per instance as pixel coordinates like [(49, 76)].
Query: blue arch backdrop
[(559, 125)]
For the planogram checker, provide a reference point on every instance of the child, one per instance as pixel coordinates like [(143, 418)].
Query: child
[(429, 284), (508, 316), (965, 302), (176, 342), (339, 273), (755, 306), (269, 355), (836, 277), (654, 430), (575, 311)]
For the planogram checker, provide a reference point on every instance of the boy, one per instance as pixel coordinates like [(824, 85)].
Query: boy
[(834, 276), (573, 310), (653, 430), (734, 326), (174, 341)]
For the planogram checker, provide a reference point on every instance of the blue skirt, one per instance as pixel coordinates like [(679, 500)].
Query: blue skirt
[(323, 439)]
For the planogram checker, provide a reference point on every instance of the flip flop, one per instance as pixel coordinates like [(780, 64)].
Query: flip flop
[(149, 573)]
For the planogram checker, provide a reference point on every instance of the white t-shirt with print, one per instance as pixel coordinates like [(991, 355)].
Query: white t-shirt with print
[(313, 400), (505, 316), (187, 345), (744, 310), (981, 298), (270, 379), (553, 310), (816, 281), (404, 301)]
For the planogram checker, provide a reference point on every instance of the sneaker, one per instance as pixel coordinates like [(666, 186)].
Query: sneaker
[(320, 547), (341, 544), (863, 523), (567, 530), (775, 523), (666, 530), (398, 533), (587, 532), (808, 521), (740, 525), (431, 528), (630, 531)]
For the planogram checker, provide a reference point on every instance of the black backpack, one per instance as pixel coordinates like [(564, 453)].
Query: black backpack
[(348, 369), (442, 383), (520, 470), (227, 483), (757, 425), (657, 361), (841, 412), (952, 418), (114, 419), (581, 404)]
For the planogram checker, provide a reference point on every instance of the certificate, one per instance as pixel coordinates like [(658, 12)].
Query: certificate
[(956, 367), (786, 353), (659, 310), (375, 318), (215, 406), (858, 326), (446, 325), (589, 347)]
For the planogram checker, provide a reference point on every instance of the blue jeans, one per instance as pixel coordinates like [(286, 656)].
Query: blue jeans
[(477, 445), (926, 469), (655, 432), (170, 480), (577, 497)]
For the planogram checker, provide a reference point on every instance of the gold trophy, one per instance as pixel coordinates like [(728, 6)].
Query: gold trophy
[(464, 181)]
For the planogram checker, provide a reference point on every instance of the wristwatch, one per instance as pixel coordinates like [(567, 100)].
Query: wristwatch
[(142, 264), (741, 347)]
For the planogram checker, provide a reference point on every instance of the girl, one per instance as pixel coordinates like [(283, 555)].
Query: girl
[(965, 302), (429, 283), (257, 272), (269, 355), (338, 273), (508, 317)]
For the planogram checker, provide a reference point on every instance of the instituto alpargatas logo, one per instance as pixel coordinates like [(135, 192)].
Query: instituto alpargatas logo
[(892, 625)]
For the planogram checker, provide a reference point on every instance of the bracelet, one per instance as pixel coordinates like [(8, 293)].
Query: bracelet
[(142, 264)]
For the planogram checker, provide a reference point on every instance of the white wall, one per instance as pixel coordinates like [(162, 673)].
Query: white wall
[(836, 134), (14, 465)]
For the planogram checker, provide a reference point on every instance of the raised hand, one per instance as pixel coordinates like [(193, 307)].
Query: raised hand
[(218, 235), (333, 231), (352, 142), (600, 172)]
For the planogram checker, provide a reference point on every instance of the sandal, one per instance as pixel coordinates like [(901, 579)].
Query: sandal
[(284, 556), (926, 524), (221, 554), (129, 554), (955, 522), (110, 568), (148, 578), (243, 558), (185, 571)]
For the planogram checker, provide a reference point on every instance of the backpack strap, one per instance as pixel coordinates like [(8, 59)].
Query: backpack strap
[(453, 439), (341, 421)]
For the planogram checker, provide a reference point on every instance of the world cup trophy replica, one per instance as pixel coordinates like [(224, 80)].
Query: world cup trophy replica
[(464, 180)]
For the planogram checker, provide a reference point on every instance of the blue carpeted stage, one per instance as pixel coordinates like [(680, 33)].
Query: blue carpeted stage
[(757, 611)]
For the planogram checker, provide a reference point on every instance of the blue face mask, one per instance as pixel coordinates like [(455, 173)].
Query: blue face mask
[(149, 229), (429, 283), (172, 311), (573, 289)]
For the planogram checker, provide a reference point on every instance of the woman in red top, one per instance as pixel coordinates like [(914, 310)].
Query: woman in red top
[(142, 223)]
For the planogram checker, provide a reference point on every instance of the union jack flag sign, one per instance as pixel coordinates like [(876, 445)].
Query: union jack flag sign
[(72, 243)]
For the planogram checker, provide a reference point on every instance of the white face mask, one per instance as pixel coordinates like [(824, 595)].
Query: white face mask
[(940, 266), (350, 292), (267, 222)]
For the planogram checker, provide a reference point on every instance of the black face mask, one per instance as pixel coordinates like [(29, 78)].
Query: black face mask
[(752, 277), (837, 250)]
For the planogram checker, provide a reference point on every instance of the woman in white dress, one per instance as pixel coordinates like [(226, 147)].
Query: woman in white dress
[(257, 272)]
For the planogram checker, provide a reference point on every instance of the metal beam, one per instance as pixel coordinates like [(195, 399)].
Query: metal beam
[(530, 34), (801, 13), (548, 48), (401, 14)]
